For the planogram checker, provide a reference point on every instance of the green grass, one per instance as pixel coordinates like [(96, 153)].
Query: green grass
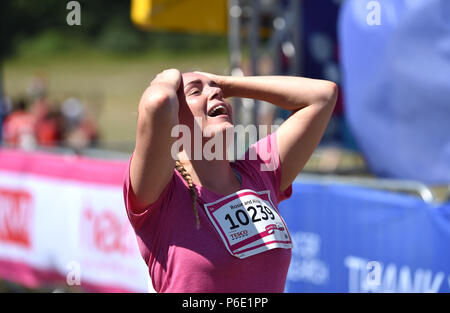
[(109, 84)]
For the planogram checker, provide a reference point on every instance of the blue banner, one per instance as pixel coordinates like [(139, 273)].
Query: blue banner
[(351, 239)]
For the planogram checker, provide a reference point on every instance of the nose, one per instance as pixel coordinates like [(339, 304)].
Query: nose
[(214, 93)]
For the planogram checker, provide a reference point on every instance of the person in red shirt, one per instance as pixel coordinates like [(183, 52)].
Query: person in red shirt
[(18, 127)]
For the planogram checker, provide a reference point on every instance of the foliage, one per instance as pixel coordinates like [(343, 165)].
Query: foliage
[(40, 27)]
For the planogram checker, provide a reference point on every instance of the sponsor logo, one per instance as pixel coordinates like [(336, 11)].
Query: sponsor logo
[(306, 265), (240, 234), (15, 217), (105, 232), (270, 229)]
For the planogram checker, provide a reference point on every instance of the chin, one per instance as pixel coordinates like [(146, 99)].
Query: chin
[(218, 128)]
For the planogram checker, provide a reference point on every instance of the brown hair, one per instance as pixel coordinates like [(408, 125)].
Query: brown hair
[(180, 168)]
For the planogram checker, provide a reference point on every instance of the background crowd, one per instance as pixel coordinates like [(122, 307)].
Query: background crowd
[(34, 121)]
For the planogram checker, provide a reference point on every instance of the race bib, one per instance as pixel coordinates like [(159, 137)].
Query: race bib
[(248, 223)]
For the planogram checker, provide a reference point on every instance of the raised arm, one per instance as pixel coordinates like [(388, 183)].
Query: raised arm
[(152, 165), (311, 100)]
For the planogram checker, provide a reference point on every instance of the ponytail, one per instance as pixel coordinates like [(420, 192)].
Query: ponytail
[(180, 168)]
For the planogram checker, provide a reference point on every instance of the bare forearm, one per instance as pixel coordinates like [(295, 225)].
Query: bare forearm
[(152, 166), (290, 93)]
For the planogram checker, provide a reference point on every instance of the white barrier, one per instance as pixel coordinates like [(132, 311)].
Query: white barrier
[(63, 220)]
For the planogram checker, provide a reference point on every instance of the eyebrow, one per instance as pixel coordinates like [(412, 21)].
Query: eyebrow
[(198, 81), (193, 82)]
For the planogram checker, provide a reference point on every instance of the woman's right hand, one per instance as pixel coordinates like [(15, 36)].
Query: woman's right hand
[(164, 89), (171, 78)]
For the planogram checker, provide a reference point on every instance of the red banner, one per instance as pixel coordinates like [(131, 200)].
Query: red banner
[(63, 220)]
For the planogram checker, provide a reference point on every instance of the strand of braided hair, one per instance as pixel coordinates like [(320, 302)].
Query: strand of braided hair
[(180, 168)]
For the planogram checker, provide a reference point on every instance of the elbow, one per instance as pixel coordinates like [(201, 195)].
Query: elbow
[(332, 93), (329, 94)]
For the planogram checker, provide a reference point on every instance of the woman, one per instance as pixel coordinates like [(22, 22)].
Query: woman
[(207, 225)]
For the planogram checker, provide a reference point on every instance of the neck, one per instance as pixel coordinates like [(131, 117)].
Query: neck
[(216, 175)]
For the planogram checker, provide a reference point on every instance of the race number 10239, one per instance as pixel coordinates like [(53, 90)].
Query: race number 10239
[(248, 223), (257, 213)]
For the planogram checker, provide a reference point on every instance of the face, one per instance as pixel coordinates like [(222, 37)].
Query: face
[(205, 102)]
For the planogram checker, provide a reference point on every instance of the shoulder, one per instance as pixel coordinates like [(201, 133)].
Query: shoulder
[(261, 163), (262, 156)]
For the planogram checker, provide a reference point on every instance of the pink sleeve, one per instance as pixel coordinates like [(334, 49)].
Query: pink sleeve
[(265, 157), (137, 219)]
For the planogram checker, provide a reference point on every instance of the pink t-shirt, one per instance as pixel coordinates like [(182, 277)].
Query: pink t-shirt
[(182, 258)]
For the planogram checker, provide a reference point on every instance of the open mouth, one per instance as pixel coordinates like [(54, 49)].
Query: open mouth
[(218, 110)]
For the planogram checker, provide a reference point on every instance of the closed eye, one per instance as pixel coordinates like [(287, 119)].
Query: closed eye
[(194, 92)]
